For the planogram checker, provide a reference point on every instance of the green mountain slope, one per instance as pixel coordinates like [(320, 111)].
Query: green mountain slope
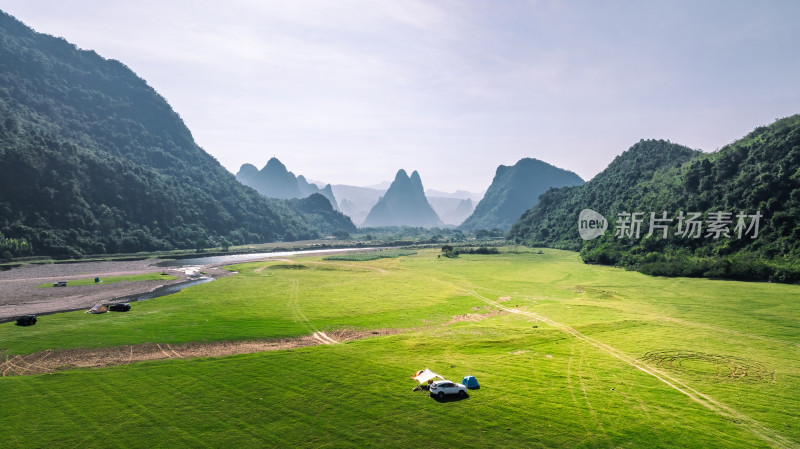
[(514, 190), (758, 175), (93, 160), (317, 211), (553, 221)]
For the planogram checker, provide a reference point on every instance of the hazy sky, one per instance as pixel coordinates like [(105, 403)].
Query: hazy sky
[(348, 91)]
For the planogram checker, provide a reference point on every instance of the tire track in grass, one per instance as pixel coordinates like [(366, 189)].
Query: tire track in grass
[(10, 365), (572, 387), (112, 428), (756, 428), (299, 316), (137, 409), (592, 411), (165, 352)]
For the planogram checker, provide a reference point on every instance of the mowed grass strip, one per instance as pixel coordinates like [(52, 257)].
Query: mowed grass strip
[(540, 386), (156, 276), (370, 255)]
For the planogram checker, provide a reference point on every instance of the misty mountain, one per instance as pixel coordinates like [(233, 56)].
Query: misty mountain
[(452, 211), (94, 160), (356, 202), (275, 181), (404, 204), (459, 194), (516, 189)]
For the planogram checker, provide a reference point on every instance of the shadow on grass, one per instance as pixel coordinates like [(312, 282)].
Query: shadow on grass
[(449, 398)]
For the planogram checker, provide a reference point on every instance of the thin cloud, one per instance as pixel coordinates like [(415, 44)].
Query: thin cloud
[(349, 91)]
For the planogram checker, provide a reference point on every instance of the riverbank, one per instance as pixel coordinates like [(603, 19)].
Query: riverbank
[(20, 294)]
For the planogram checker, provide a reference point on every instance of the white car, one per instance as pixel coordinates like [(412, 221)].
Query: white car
[(441, 388)]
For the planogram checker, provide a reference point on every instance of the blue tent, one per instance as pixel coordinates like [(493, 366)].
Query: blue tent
[(470, 382)]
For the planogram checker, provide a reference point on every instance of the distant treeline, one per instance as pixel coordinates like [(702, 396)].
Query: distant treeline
[(455, 251)]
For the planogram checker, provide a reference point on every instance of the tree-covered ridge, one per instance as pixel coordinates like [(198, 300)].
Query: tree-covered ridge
[(514, 190), (93, 160), (318, 212), (756, 175), (553, 220)]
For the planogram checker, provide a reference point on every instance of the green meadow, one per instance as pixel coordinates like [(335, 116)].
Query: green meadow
[(567, 354), (156, 276)]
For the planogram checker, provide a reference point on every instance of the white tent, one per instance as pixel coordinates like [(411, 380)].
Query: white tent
[(425, 375)]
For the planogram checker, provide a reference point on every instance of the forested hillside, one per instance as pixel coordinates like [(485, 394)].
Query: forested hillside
[(553, 221), (514, 190), (319, 213), (94, 160), (754, 181)]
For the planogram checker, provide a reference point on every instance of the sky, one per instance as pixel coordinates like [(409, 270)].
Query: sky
[(350, 91)]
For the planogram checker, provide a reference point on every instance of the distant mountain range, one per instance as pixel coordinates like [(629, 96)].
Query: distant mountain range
[(452, 211), (356, 202), (404, 204), (94, 160), (514, 190), (275, 181), (458, 194)]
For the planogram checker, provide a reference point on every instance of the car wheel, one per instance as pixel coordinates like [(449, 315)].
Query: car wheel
[(440, 395), (462, 393)]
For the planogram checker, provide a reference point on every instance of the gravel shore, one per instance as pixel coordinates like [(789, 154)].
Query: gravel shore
[(19, 294)]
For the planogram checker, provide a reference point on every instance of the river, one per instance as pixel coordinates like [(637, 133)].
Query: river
[(193, 268)]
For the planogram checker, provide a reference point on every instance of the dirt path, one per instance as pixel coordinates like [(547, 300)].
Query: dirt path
[(51, 361), (756, 428)]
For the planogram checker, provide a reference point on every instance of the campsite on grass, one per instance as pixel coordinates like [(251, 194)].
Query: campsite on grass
[(565, 354)]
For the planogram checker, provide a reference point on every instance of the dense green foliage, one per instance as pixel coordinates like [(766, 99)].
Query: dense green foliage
[(758, 174), (544, 384), (553, 221), (451, 251), (317, 211), (514, 190), (93, 160)]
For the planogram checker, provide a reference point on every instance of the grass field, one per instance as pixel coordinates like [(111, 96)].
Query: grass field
[(568, 355), (371, 255), (156, 276)]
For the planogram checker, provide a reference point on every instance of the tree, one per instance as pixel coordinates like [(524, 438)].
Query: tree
[(449, 251), (341, 234)]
